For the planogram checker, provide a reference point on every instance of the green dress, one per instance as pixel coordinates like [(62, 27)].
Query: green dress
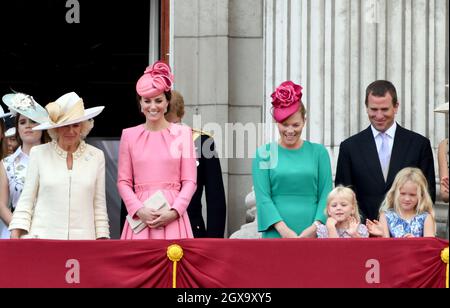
[(291, 186)]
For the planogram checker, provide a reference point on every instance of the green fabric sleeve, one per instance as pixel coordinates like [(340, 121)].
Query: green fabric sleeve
[(267, 213), (325, 183)]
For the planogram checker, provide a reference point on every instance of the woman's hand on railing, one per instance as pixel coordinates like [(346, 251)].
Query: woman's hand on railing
[(17, 234), (284, 230), (309, 232)]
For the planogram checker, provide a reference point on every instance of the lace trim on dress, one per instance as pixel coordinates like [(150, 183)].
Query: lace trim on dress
[(63, 154)]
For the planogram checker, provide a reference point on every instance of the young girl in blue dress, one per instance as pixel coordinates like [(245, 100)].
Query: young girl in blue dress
[(407, 210)]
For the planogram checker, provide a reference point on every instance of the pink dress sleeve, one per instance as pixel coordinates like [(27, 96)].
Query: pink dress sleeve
[(125, 180), (188, 173)]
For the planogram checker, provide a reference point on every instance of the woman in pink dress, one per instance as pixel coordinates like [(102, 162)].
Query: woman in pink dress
[(157, 156)]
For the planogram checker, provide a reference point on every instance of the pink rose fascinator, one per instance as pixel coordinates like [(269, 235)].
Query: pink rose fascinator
[(286, 100)]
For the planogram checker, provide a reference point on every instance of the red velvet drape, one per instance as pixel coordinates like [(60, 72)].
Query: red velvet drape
[(219, 263)]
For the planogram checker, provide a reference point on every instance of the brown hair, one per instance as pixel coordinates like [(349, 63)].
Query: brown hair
[(379, 88), (167, 94), (302, 110), (177, 104), (44, 138)]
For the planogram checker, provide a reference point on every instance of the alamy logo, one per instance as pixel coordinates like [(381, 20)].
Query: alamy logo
[(73, 274), (73, 14), (373, 274)]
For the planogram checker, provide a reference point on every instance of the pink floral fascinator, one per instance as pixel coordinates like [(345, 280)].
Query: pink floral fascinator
[(286, 100), (157, 79)]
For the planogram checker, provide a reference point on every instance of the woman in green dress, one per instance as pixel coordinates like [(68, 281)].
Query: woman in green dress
[(292, 177)]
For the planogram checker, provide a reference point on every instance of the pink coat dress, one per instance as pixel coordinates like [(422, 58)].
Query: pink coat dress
[(152, 161)]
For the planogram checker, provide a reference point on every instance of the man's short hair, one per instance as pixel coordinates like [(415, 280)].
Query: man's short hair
[(379, 88)]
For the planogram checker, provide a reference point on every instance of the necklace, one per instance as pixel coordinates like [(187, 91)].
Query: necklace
[(63, 154)]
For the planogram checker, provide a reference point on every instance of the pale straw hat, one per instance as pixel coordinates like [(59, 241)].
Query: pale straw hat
[(68, 110)]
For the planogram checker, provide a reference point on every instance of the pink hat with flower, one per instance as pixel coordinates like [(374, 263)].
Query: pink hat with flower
[(286, 100), (156, 80)]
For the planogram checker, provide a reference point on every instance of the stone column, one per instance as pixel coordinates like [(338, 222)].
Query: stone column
[(335, 48), (218, 66)]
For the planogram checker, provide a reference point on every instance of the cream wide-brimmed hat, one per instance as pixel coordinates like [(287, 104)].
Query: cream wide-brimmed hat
[(68, 110)]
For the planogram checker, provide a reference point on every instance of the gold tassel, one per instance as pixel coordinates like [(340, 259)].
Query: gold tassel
[(444, 258), (175, 254)]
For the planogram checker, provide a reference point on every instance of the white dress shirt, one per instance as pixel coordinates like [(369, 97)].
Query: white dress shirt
[(390, 133)]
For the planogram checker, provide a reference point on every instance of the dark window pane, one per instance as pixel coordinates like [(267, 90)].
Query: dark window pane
[(100, 58)]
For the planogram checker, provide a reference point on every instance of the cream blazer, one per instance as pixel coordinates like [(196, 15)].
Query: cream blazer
[(61, 204)]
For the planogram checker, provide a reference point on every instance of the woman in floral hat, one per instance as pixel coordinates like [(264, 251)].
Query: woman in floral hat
[(64, 193), (292, 177), (156, 157), (14, 168)]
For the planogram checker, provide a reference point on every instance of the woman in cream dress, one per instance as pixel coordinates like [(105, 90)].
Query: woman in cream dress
[(64, 195)]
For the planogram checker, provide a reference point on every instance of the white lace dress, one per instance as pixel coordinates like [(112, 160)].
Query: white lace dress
[(16, 171)]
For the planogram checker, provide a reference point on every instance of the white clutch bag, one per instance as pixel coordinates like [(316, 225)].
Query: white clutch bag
[(136, 224), (157, 201)]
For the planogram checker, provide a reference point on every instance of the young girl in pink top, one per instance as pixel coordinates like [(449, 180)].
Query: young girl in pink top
[(343, 216)]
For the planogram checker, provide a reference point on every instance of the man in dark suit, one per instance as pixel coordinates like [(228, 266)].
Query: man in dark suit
[(209, 180), (369, 161)]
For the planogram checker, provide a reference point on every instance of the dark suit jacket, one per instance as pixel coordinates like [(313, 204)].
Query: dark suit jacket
[(209, 179), (359, 166)]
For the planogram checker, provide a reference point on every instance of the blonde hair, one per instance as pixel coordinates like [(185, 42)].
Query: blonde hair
[(350, 195), (86, 127), (414, 175)]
